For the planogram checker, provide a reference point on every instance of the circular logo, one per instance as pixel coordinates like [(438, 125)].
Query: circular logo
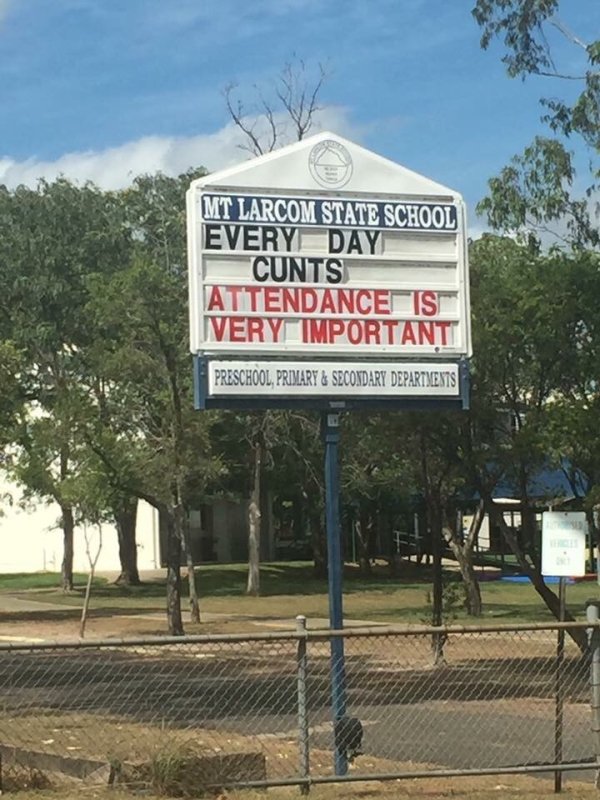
[(330, 164)]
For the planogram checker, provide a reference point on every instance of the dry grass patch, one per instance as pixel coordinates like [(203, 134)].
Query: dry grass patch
[(110, 738), (510, 787)]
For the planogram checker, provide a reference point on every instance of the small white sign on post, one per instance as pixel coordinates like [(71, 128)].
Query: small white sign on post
[(563, 543)]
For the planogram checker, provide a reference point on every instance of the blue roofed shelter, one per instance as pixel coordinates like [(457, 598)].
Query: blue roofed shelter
[(551, 486)]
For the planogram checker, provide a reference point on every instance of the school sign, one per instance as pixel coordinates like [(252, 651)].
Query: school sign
[(325, 276)]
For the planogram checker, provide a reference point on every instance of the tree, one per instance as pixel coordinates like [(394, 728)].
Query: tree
[(535, 191), (434, 449), (269, 124), (93, 554), (287, 116), (526, 338), (574, 416), (299, 481), (125, 508), (14, 390), (376, 478), (446, 488), (54, 238), (155, 210), (155, 442), (144, 428)]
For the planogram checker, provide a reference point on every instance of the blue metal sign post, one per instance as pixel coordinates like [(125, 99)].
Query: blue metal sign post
[(331, 437)]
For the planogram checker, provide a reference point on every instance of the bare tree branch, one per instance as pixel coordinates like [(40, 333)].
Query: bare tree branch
[(269, 116), (295, 105), (567, 33), (236, 112), (475, 526), (544, 74), (300, 104)]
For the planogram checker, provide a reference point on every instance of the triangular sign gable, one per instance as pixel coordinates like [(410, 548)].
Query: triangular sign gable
[(327, 163)]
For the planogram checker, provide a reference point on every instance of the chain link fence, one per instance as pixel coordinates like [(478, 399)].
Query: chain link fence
[(257, 709)]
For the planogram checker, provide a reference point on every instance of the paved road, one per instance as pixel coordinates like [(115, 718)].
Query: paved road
[(418, 714), (9, 604)]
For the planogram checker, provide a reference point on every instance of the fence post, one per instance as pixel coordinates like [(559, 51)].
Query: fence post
[(559, 691), (303, 736), (593, 617)]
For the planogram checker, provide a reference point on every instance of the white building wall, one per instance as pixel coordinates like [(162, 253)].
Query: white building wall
[(31, 539)]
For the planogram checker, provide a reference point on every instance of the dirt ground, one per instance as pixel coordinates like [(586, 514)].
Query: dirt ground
[(64, 625), (111, 739), (510, 675), (510, 787)]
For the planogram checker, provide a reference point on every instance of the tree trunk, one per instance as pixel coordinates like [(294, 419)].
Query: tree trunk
[(471, 584), (438, 639), (174, 621), (183, 530), (362, 529), (86, 604), (434, 522), (125, 514), (68, 526), (463, 553), (438, 585), (319, 545), (93, 561), (529, 542), (253, 586), (594, 538), (267, 543)]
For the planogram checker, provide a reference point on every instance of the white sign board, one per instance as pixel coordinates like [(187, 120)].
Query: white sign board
[(323, 249), (563, 543), (301, 378)]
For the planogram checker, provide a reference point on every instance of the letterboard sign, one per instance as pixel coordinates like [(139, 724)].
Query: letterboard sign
[(324, 251)]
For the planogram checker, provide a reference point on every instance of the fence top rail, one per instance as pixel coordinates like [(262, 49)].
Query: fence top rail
[(319, 634)]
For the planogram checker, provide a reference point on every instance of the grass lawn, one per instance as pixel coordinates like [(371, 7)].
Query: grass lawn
[(289, 589), (20, 581)]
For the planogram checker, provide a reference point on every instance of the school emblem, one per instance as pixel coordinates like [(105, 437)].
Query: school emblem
[(330, 164)]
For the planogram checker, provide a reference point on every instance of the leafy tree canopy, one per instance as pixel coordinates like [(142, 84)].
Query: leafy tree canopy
[(536, 190)]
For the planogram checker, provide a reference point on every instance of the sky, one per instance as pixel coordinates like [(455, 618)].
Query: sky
[(104, 90)]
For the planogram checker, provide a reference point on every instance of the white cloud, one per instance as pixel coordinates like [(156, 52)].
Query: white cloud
[(116, 167), (475, 230)]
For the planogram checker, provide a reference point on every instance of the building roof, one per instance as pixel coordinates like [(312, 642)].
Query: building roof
[(549, 483)]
